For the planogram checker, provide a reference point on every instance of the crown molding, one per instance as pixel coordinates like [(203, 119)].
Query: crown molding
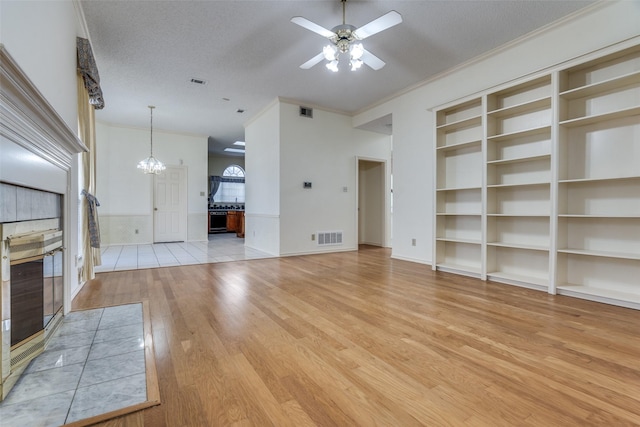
[(491, 53)]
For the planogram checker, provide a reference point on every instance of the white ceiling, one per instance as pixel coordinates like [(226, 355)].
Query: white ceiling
[(249, 53)]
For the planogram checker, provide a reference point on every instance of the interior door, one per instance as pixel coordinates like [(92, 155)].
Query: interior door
[(170, 205), (371, 202)]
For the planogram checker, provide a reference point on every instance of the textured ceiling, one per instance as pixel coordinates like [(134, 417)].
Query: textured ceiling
[(249, 53)]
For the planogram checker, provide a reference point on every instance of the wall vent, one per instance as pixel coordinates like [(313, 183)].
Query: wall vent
[(199, 81), (306, 112), (329, 238)]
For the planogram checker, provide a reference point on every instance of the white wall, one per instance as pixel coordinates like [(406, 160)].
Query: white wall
[(262, 182), (604, 25), (217, 164), (41, 37), (125, 193), (323, 151)]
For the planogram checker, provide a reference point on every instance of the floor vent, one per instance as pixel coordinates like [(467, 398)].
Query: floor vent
[(306, 112), (329, 238)]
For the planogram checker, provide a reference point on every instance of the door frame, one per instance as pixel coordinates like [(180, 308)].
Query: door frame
[(385, 198), (183, 204)]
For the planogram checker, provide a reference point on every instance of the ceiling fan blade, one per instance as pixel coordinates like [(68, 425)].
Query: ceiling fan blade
[(312, 26), (372, 61), (387, 20), (313, 61)]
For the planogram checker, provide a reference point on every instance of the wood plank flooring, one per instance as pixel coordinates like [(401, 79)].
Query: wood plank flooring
[(359, 339)]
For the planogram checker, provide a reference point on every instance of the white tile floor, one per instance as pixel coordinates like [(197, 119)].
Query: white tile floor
[(221, 247)]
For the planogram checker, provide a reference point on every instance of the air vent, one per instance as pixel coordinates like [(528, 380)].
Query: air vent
[(306, 112), (326, 238), (199, 81)]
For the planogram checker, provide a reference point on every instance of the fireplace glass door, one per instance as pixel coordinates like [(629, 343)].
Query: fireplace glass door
[(52, 285), (26, 299)]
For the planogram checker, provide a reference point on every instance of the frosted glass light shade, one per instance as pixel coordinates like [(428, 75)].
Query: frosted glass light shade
[(330, 53), (333, 66)]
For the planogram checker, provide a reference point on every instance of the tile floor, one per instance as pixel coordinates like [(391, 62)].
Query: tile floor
[(93, 364), (221, 247)]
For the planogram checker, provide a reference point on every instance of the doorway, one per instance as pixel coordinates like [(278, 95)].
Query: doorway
[(170, 205), (372, 215)]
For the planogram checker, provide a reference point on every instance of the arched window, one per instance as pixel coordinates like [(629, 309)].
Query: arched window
[(234, 170)]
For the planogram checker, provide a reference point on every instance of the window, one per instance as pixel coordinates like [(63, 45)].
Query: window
[(232, 185), (234, 170)]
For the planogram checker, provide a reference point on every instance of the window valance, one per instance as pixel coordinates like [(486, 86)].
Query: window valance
[(89, 71)]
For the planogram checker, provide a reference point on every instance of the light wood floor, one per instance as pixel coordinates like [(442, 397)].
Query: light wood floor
[(359, 339)]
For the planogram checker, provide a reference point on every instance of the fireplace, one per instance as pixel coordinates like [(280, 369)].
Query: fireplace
[(39, 192), (35, 260), (32, 254)]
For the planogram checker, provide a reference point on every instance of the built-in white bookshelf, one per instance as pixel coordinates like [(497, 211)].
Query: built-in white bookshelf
[(599, 179), (518, 171), (538, 183), (458, 196)]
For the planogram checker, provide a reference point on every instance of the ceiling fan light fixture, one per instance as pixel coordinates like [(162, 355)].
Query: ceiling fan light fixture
[(330, 52), (333, 66), (356, 51), (343, 38)]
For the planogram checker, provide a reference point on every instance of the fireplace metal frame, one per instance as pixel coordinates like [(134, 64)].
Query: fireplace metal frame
[(15, 359)]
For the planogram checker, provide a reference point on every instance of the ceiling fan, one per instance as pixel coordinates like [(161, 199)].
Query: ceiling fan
[(345, 38)]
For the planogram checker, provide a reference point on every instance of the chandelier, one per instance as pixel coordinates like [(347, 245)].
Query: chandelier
[(151, 164)]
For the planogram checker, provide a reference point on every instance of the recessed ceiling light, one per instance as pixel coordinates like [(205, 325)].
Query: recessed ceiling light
[(199, 81), (226, 99), (234, 150), (240, 110), (239, 143)]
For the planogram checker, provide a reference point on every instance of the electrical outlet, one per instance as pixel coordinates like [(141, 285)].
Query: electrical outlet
[(313, 237), (413, 242), (202, 193), (136, 231)]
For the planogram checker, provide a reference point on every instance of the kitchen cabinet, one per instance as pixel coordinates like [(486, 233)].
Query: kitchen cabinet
[(232, 221), (240, 228)]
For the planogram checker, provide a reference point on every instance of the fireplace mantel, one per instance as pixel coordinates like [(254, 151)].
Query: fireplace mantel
[(27, 118)]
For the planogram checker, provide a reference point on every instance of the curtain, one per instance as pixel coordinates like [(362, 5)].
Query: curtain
[(89, 99), (86, 128), (92, 218), (89, 71), (214, 185)]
